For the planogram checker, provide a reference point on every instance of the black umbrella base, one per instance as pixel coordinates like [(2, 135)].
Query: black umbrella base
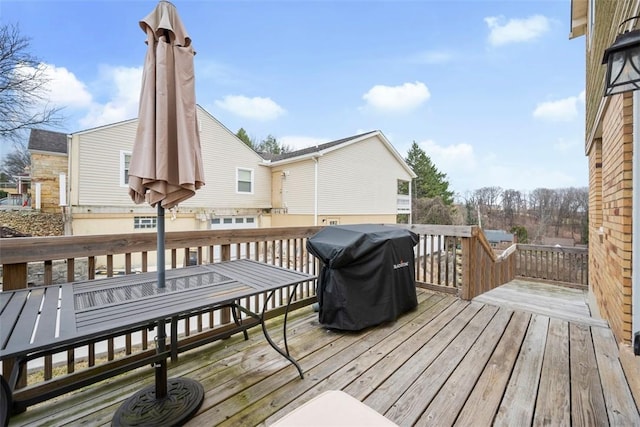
[(184, 397)]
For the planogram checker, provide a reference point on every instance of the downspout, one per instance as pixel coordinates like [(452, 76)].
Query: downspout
[(66, 210), (315, 190), (635, 226), (411, 202)]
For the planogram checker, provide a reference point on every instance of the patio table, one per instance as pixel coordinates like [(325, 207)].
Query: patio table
[(46, 320)]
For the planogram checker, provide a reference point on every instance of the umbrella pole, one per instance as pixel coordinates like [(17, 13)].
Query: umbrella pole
[(170, 402), (161, 368)]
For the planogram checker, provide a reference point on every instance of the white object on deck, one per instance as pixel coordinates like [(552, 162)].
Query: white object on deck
[(333, 408)]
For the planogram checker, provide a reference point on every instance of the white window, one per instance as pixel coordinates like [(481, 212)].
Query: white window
[(244, 178), (125, 161), (226, 223), (144, 222)]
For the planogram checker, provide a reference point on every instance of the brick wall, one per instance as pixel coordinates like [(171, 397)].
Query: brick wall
[(610, 205), (46, 169)]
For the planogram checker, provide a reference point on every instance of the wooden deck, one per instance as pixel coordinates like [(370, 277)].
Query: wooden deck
[(449, 362)]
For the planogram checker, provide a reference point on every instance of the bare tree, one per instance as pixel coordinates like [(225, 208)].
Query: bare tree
[(511, 200), (23, 81), (15, 163)]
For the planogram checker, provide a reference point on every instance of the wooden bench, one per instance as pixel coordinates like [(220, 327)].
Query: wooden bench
[(51, 319)]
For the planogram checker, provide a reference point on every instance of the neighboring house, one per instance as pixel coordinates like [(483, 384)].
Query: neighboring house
[(499, 239), (613, 146), (346, 181), (49, 165)]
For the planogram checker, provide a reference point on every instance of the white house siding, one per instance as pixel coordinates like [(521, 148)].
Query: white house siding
[(222, 154), (298, 187), (96, 181), (359, 179), (96, 173)]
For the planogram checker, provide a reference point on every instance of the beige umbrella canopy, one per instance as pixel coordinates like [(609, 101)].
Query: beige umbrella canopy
[(166, 162)]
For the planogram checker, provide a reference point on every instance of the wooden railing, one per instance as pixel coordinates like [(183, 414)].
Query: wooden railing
[(129, 253), (566, 265), (452, 259)]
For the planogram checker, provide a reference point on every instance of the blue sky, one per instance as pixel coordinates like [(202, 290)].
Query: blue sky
[(493, 91)]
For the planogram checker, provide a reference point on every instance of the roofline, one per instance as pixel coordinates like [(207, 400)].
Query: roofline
[(49, 153), (351, 141), (295, 159), (204, 111), (107, 126)]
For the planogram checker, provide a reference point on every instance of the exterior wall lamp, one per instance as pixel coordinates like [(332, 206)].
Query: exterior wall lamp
[(623, 62)]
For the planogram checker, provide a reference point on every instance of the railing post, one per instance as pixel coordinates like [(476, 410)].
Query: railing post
[(14, 276), (467, 264), (225, 252), (225, 255)]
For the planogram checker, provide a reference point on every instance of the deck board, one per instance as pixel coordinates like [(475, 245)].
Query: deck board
[(461, 382), (587, 401), (553, 406), (447, 362)]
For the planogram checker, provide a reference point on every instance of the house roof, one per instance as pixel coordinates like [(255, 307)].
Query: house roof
[(314, 149), (497, 236), (49, 141), (327, 147)]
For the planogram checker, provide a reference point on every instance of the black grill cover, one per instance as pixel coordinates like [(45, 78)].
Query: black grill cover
[(367, 276)]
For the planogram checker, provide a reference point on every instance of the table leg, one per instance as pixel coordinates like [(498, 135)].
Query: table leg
[(237, 319), (285, 353)]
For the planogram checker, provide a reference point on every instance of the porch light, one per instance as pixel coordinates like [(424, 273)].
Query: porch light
[(623, 62)]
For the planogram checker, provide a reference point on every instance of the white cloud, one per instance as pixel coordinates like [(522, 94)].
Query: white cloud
[(120, 87), (299, 142), (468, 170), (121, 101), (561, 110), (450, 157), (64, 89), (257, 108), (406, 97), (516, 30)]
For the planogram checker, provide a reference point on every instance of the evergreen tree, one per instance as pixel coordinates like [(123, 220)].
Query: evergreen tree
[(271, 145), (431, 182), (242, 134)]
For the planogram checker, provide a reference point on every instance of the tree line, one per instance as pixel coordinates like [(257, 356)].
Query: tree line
[(543, 212)]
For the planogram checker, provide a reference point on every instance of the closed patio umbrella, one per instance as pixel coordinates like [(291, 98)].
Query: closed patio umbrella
[(165, 169)]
